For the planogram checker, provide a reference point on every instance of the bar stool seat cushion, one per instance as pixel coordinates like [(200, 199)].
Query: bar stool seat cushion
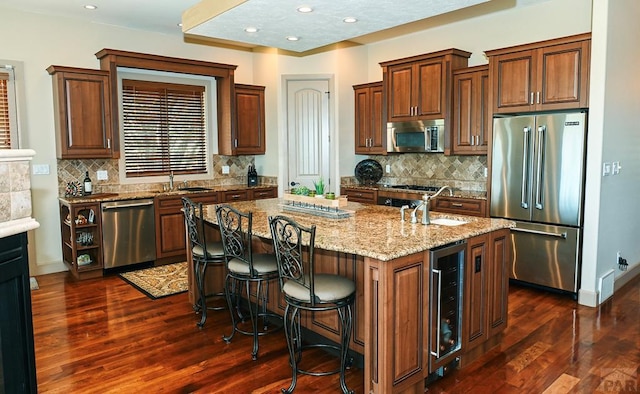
[(214, 250), (328, 288), (263, 263)]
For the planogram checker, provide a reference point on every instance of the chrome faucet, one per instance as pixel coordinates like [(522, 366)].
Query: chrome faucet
[(424, 205), (402, 212), (171, 180)]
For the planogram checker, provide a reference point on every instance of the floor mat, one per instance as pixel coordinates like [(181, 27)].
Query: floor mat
[(160, 281)]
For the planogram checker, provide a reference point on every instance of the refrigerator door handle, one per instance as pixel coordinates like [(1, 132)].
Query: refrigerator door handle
[(539, 166), (524, 230), (524, 189)]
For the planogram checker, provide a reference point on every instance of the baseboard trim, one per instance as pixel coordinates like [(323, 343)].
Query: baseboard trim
[(626, 277), (588, 298)]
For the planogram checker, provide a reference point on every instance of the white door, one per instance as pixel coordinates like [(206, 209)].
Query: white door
[(308, 132)]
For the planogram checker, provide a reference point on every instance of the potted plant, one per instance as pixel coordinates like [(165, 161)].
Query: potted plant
[(319, 186)]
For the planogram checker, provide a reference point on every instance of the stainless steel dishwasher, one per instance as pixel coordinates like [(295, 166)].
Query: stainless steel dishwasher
[(128, 232)]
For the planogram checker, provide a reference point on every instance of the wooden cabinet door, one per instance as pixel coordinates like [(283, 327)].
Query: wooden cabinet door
[(548, 75), (82, 104), (171, 240), (475, 328), (500, 244), (369, 128), (250, 122), (563, 76), (362, 119), (470, 111), (429, 97), (378, 128), (400, 86), (514, 81)]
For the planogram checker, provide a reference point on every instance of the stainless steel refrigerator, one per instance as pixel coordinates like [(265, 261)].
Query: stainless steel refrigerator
[(537, 180)]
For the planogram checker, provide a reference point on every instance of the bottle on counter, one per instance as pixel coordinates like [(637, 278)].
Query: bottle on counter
[(87, 184)]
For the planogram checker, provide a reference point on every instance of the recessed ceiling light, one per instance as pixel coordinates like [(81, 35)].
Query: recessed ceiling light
[(304, 9), (292, 38), (91, 7), (251, 29), (349, 19)]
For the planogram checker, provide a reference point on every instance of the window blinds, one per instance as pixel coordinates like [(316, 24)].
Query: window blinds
[(164, 128), (5, 125)]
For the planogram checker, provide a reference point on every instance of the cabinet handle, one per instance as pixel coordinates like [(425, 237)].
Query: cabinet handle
[(531, 99), (108, 143), (472, 137), (456, 204), (537, 97), (235, 143)]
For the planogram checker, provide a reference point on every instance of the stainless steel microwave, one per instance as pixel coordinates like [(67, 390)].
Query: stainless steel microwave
[(416, 136)]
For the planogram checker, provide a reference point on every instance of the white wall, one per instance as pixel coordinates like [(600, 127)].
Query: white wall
[(39, 42), (42, 41), (612, 220)]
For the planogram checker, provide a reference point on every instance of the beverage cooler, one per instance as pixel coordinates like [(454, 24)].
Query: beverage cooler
[(445, 307)]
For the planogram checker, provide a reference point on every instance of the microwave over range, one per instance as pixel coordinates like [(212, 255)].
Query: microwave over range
[(416, 136)]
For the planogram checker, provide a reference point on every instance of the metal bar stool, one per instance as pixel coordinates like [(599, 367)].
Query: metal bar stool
[(305, 290), (248, 268), (204, 254)]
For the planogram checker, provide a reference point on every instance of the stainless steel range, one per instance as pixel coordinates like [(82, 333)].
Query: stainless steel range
[(399, 202)]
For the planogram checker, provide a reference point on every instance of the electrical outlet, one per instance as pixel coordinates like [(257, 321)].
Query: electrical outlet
[(388, 168), (102, 175), (225, 169)]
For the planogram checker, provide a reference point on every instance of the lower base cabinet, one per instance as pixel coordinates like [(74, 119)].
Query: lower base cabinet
[(485, 288), (171, 242), (17, 355)]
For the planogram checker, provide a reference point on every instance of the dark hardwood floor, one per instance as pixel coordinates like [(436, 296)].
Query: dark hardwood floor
[(104, 336)]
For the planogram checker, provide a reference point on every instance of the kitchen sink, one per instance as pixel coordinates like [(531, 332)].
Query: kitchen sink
[(195, 189), (448, 222)]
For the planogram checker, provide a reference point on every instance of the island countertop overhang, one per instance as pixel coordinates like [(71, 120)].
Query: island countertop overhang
[(372, 231)]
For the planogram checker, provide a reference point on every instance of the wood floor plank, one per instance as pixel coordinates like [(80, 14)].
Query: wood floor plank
[(104, 336)]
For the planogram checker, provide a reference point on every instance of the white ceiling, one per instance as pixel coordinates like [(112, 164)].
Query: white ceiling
[(224, 21), (278, 19)]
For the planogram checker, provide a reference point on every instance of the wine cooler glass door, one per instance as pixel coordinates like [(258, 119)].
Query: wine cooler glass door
[(445, 312)]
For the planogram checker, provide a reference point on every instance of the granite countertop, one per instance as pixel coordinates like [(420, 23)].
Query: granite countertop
[(102, 197), (373, 231), (388, 191)]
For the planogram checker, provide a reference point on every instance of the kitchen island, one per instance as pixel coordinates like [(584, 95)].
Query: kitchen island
[(389, 262)]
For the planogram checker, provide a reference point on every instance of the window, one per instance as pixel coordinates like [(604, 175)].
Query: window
[(164, 128), (8, 118)]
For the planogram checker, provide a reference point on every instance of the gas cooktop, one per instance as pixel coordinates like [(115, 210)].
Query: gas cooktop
[(416, 187)]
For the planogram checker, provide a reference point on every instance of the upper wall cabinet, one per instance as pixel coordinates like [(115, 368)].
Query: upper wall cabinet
[(471, 118), (419, 87), (547, 75), (250, 122), (369, 128), (82, 102)]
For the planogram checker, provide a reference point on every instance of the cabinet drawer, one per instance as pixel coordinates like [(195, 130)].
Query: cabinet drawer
[(462, 206), (257, 194), (360, 195), (234, 195), (175, 202)]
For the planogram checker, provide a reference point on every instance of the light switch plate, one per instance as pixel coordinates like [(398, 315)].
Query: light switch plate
[(225, 169), (41, 169), (606, 169)]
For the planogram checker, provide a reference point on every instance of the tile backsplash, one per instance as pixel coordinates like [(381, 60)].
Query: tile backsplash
[(459, 172), (74, 171), (15, 190)]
